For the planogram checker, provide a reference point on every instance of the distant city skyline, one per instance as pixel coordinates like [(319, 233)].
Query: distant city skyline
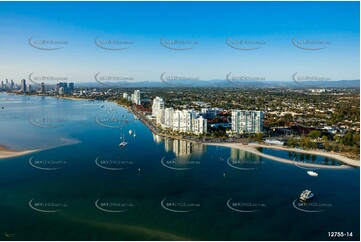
[(139, 41)]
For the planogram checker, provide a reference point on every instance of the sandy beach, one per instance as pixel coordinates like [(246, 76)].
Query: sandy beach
[(77, 98), (8, 153), (252, 148), (5, 152)]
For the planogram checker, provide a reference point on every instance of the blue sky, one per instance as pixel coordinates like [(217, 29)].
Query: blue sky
[(275, 24)]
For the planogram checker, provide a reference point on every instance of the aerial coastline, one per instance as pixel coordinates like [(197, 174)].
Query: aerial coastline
[(249, 147)]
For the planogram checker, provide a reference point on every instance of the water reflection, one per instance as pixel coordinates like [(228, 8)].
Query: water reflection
[(179, 147), (237, 154), (301, 157)]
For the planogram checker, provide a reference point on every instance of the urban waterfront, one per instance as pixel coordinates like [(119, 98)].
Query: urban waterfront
[(81, 185)]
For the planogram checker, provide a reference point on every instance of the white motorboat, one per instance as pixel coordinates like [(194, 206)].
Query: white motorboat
[(312, 173)]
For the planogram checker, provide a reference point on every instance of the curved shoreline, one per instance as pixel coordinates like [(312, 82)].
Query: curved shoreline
[(8, 153), (252, 149)]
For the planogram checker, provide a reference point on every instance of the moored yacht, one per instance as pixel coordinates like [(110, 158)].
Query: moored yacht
[(306, 195), (123, 143), (312, 173)]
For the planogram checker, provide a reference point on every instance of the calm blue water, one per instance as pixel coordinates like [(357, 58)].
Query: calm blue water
[(88, 188)]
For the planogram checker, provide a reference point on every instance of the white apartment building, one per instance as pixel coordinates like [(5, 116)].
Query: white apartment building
[(247, 121), (177, 116), (160, 116), (168, 118), (200, 125), (136, 97), (125, 96), (187, 121), (158, 103)]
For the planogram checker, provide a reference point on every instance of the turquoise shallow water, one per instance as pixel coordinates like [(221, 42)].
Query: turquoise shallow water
[(153, 189)]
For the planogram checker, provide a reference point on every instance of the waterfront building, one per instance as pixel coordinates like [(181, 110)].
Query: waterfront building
[(200, 125), (247, 121), (160, 116), (158, 103), (136, 97), (168, 118), (177, 115), (126, 96), (186, 121)]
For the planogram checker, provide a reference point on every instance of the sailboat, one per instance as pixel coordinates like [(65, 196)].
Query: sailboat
[(123, 143), (130, 132)]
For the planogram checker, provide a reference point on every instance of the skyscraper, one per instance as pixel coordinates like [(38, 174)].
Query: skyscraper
[(23, 86), (158, 103), (42, 88), (137, 97), (71, 86)]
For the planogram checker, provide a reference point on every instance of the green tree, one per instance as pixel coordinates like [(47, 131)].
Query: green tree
[(314, 134)]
